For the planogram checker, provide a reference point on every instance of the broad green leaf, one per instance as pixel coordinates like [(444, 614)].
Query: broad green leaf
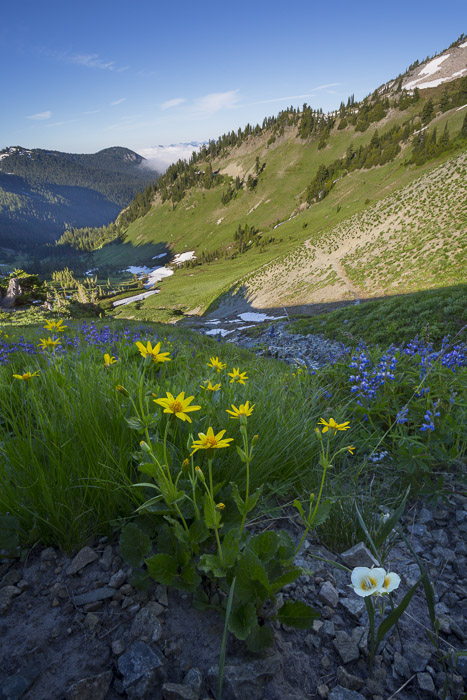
[(141, 580), (252, 579), (286, 549), (163, 568), (253, 499), (134, 545), (264, 545), (179, 531), (198, 532), (187, 580), (260, 638), (135, 423), (243, 620), (321, 514), (297, 614), (224, 640), (285, 578), (230, 549), (212, 517), (200, 600), (149, 468), (240, 503), (211, 564)]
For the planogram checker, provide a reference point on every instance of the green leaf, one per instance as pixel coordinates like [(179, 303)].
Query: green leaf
[(241, 453), (252, 579), (134, 545), (200, 600), (135, 423), (180, 533), (321, 514), (299, 507), (149, 468), (243, 620), (230, 549), (163, 568), (212, 517), (187, 580), (264, 545), (141, 580), (297, 614), (286, 549), (211, 564), (395, 614), (253, 499), (260, 638), (240, 503), (198, 532), (286, 578)]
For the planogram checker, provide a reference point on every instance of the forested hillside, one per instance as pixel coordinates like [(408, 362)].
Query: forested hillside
[(44, 192)]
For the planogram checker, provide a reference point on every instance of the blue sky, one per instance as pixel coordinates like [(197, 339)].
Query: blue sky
[(84, 76)]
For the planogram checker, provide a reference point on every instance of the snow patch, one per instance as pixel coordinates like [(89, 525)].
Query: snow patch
[(463, 46), (138, 297), (459, 108), (183, 257), (434, 65), (218, 331), (257, 318), (93, 269), (162, 255), (157, 275)]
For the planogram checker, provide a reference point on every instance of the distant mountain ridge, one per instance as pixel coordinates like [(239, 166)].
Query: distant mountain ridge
[(43, 192)]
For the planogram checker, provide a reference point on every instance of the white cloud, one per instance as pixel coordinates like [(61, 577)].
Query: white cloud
[(210, 104), (160, 157), (173, 103), (283, 99), (328, 85), (40, 116), (92, 60), (118, 102)]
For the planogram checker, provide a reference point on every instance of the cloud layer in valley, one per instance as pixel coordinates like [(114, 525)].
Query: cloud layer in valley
[(160, 157)]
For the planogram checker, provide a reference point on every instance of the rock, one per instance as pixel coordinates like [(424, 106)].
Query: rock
[(14, 687), (323, 691), (340, 693), (161, 595), (328, 594), (401, 667), (417, 656), (176, 691), (194, 679), (106, 558), (118, 647), (147, 623), (354, 605), (93, 596), (92, 688), (91, 621), (143, 671), (425, 683), (246, 680), (7, 593), (359, 555), (84, 557), (11, 578), (117, 579), (348, 680), (14, 290), (48, 555), (346, 647)]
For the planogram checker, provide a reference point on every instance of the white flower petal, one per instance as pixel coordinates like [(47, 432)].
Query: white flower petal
[(391, 582), (367, 581)]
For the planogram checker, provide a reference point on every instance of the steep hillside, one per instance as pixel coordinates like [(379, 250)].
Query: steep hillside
[(43, 192), (267, 225)]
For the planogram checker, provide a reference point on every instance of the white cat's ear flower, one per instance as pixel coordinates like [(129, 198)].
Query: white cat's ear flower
[(391, 582), (367, 581)]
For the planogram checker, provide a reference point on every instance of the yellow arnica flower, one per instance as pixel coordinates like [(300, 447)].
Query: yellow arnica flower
[(351, 449), (49, 343), (332, 425), (215, 363), (55, 325), (237, 376), (244, 410), (109, 360), (152, 352), (179, 406), (220, 506), (210, 441), (26, 376), (210, 387)]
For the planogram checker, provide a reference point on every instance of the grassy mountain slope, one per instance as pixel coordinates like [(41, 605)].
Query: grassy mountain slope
[(296, 263), (42, 192)]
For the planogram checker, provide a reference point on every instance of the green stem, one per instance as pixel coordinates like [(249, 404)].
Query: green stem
[(247, 489), (213, 506)]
